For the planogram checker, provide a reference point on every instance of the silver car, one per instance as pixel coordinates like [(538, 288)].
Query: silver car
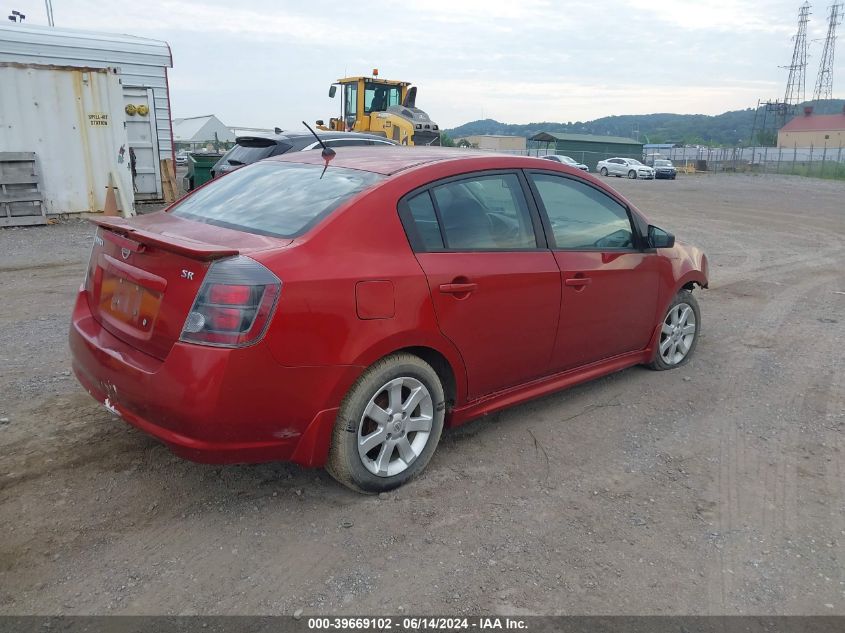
[(566, 160), (619, 167)]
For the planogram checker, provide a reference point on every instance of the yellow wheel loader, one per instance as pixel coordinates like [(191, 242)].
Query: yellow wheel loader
[(382, 106)]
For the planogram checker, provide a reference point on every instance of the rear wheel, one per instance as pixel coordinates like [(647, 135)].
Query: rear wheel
[(678, 332), (632, 174), (603, 171), (388, 425)]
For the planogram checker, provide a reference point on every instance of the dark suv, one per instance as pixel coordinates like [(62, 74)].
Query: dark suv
[(251, 149)]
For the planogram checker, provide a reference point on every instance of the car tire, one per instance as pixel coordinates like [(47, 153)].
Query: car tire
[(632, 175), (383, 391), (676, 342), (673, 177), (603, 171)]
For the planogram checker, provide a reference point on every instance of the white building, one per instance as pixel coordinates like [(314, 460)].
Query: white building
[(197, 132), (89, 105)]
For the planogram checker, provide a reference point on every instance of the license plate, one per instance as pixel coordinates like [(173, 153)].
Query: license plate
[(128, 302)]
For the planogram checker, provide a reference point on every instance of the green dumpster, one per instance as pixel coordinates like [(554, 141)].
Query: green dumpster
[(199, 168)]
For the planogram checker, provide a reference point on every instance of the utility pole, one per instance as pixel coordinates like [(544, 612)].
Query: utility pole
[(824, 81), (48, 4)]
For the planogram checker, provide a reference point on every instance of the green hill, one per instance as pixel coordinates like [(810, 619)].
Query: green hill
[(730, 128)]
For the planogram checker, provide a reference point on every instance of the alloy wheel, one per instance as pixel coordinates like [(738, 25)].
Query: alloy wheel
[(395, 426), (677, 333)]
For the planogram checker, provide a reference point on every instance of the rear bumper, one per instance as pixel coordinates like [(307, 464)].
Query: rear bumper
[(210, 404)]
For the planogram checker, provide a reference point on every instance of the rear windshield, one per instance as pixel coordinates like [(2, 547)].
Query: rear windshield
[(273, 198), (241, 155)]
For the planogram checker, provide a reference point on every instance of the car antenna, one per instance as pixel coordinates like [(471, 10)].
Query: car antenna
[(327, 154)]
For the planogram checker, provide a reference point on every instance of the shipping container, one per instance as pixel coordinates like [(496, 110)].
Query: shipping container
[(72, 119), (140, 68)]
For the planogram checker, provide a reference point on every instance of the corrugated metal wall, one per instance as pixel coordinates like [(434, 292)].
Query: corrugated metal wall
[(140, 62), (72, 118)]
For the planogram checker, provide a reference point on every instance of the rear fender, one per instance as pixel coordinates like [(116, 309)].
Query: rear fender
[(405, 340)]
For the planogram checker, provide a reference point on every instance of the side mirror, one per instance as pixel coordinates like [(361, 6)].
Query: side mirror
[(332, 91), (320, 122), (658, 238)]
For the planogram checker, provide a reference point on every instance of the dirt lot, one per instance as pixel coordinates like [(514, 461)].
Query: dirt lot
[(718, 488)]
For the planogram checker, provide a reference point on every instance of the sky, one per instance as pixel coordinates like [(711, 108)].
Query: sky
[(260, 63)]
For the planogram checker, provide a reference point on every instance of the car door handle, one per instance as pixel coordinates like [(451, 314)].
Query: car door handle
[(578, 281), (458, 289)]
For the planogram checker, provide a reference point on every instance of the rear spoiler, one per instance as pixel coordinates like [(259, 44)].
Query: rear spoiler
[(172, 243)]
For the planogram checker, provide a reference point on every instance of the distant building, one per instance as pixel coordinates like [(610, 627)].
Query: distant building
[(198, 132), (814, 130), (495, 142), (588, 148)]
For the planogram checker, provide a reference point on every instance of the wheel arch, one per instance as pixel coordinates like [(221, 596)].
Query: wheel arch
[(443, 358), (440, 364), (433, 348)]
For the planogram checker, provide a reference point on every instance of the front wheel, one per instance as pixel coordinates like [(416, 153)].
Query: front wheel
[(603, 171), (388, 425), (678, 332), (632, 174)]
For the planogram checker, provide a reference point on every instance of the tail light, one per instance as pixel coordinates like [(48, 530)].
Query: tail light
[(234, 304), (88, 283)]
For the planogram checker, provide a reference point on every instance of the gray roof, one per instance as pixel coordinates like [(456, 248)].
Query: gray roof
[(47, 45), (551, 137)]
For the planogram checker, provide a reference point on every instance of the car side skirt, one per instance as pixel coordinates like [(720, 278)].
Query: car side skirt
[(544, 386)]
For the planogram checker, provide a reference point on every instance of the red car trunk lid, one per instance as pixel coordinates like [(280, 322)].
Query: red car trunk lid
[(144, 274)]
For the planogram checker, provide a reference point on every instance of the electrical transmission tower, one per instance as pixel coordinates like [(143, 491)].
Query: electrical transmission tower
[(796, 84), (824, 81)]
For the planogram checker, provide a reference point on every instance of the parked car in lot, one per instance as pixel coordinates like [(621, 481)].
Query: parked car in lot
[(619, 167), (566, 160), (341, 312), (664, 169), (181, 158), (250, 149)]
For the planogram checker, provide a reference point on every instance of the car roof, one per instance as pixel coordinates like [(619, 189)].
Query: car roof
[(390, 160), (297, 136)]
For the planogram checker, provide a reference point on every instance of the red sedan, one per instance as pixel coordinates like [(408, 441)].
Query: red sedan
[(342, 315)]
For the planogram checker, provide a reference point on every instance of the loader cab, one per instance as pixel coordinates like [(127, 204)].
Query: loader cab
[(363, 96)]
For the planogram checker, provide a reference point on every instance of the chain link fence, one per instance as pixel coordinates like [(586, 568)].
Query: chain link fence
[(824, 162)]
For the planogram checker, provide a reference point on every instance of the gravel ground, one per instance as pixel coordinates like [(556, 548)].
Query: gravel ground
[(717, 488)]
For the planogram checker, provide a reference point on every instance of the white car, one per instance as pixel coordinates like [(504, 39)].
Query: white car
[(566, 160), (629, 167)]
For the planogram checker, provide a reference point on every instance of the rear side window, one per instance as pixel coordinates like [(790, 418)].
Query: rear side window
[(272, 198), (346, 142), (425, 222), (485, 213)]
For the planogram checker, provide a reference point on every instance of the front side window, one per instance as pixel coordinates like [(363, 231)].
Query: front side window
[(274, 198), (351, 93), (485, 213), (582, 217)]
